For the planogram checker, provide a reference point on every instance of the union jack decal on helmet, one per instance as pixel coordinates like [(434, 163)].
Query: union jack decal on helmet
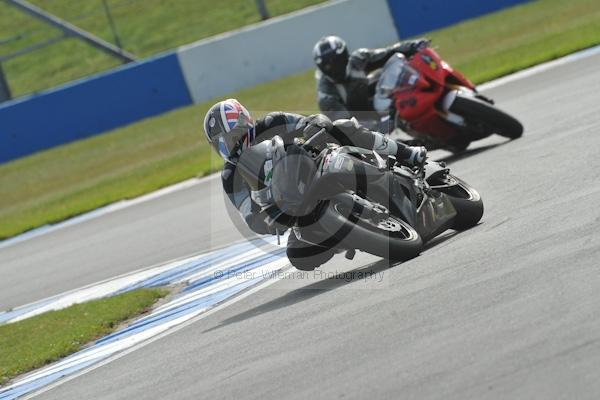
[(233, 113), (229, 128)]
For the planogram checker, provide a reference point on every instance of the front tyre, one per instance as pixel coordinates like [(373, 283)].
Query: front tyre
[(482, 115), (465, 199), (387, 236)]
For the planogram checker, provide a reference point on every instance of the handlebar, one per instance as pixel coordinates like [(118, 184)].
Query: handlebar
[(424, 44), (315, 140)]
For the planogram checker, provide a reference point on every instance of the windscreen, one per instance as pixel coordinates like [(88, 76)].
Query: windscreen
[(396, 75)]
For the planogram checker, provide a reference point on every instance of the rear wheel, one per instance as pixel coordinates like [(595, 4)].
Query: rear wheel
[(383, 235), (483, 116), (465, 199)]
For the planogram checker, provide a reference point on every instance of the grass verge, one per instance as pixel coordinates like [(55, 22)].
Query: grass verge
[(74, 178), (145, 27), (31, 343)]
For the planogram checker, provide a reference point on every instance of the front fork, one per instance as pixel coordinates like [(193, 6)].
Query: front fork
[(449, 99), (446, 105)]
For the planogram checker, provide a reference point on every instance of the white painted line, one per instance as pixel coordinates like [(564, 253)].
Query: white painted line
[(84, 295), (537, 69), (108, 284), (117, 206), (111, 285), (228, 256)]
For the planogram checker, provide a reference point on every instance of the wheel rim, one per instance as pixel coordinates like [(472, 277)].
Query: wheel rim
[(389, 224), (393, 226)]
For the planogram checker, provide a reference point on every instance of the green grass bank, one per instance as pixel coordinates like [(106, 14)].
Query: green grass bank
[(33, 342), (144, 27)]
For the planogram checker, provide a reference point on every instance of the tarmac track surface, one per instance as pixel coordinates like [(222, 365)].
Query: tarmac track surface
[(508, 309)]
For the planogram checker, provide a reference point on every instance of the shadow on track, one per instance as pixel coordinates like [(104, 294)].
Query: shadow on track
[(322, 286), (472, 152), (436, 241), (302, 294)]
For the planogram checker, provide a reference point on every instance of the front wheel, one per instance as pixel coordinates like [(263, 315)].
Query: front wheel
[(465, 199), (386, 235), (484, 116)]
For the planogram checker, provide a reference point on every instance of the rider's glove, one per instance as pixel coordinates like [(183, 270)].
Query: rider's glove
[(314, 124), (410, 47), (420, 44)]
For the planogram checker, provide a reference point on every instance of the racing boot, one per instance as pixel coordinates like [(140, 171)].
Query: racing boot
[(412, 156)]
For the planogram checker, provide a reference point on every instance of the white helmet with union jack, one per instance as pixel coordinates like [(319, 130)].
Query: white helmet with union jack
[(229, 128)]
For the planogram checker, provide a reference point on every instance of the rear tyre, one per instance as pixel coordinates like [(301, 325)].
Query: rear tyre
[(478, 112), (465, 199), (389, 237)]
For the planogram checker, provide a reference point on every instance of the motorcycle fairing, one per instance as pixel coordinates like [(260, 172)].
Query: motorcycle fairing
[(434, 215), (429, 212), (420, 107)]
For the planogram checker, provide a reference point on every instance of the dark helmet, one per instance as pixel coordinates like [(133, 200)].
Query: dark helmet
[(229, 128), (331, 56)]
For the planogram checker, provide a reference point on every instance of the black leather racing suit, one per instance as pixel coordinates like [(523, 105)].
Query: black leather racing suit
[(354, 95), (286, 125), (289, 126)]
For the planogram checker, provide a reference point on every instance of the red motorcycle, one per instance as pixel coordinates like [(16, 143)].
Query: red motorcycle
[(437, 105)]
